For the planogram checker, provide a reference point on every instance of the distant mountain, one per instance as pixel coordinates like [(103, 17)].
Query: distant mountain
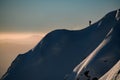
[(85, 54)]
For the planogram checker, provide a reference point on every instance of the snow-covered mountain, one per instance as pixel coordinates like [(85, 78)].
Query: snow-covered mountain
[(86, 54)]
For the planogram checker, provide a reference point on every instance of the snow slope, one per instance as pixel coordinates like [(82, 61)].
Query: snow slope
[(90, 68), (113, 73), (97, 47), (84, 63)]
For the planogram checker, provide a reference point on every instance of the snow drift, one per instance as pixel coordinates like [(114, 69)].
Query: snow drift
[(72, 55)]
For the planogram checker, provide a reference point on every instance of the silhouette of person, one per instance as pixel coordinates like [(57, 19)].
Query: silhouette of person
[(90, 22)]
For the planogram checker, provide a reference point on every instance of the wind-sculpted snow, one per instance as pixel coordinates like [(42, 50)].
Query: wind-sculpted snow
[(96, 48), (89, 59), (99, 61), (113, 73)]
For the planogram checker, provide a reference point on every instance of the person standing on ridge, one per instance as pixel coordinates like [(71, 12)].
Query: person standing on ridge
[(90, 22)]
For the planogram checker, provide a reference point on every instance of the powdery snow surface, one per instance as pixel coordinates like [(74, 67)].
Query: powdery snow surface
[(89, 54), (113, 73), (83, 65)]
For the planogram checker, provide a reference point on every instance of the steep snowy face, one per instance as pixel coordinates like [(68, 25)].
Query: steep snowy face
[(102, 59), (61, 50)]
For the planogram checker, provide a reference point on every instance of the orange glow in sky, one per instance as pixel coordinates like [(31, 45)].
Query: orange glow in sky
[(13, 44), (20, 35)]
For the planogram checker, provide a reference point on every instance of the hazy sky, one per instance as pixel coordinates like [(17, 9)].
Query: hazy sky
[(47, 15)]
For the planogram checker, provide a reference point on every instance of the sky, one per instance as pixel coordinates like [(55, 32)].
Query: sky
[(23, 23), (46, 15)]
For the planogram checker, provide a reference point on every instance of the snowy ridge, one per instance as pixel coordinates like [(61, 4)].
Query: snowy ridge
[(113, 74), (89, 58), (87, 54), (80, 67)]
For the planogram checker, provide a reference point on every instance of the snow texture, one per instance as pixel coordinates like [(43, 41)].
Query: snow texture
[(113, 73), (87, 54)]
